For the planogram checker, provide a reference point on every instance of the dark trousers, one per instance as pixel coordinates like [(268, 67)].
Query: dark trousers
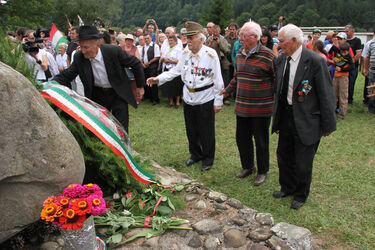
[(352, 78), (365, 92), (200, 131), (247, 128), (114, 103), (151, 92), (295, 160)]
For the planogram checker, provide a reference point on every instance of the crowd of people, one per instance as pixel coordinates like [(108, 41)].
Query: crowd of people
[(268, 72)]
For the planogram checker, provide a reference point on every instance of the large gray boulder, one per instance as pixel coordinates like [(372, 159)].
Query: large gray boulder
[(39, 156)]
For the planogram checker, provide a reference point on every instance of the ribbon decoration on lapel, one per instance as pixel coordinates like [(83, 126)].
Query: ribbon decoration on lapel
[(98, 120)]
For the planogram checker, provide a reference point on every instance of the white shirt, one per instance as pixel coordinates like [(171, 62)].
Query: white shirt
[(38, 71), (198, 70), (165, 46), (365, 52), (99, 71), (292, 72), (139, 47), (172, 53), (156, 51), (61, 60)]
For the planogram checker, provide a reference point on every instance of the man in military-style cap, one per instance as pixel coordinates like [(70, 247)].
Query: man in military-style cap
[(199, 68)]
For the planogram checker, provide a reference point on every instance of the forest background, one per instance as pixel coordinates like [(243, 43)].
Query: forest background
[(129, 14)]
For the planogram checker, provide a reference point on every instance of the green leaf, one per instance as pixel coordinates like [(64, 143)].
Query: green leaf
[(179, 187), (116, 238), (171, 204), (164, 210)]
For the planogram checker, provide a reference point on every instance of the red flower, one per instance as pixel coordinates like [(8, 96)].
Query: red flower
[(81, 206), (129, 194), (70, 220), (108, 204)]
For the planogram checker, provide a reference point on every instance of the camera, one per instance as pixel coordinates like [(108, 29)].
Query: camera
[(149, 21), (215, 38), (29, 47)]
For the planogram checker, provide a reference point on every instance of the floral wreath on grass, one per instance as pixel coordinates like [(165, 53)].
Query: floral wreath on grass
[(74, 206)]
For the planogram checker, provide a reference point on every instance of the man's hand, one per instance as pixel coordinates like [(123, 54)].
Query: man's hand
[(225, 93), (277, 131), (140, 92), (217, 108), (152, 80), (145, 65)]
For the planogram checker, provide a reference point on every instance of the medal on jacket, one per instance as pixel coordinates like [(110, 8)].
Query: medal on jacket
[(300, 97)]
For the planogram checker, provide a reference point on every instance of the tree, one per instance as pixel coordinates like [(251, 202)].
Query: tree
[(31, 14), (218, 12), (88, 10)]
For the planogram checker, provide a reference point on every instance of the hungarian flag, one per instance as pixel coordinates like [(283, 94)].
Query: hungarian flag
[(56, 37)]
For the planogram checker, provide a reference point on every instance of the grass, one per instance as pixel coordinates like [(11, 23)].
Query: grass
[(340, 210)]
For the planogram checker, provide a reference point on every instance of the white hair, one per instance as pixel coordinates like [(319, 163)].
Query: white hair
[(63, 45), (121, 37), (290, 31), (252, 28), (202, 37)]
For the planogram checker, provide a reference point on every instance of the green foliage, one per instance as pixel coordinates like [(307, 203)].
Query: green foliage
[(30, 14), (88, 10), (219, 12), (131, 209), (13, 55)]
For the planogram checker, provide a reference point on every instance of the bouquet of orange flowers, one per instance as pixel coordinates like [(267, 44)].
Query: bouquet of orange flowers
[(76, 203)]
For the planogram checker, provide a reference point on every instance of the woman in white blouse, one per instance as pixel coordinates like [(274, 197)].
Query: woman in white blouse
[(61, 58), (172, 89)]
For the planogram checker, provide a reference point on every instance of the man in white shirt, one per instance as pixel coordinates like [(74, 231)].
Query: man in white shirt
[(150, 56), (199, 68)]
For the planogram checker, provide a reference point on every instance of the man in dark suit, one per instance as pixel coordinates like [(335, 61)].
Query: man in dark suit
[(101, 68), (304, 111)]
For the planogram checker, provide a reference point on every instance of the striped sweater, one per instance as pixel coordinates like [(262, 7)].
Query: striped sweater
[(254, 83)]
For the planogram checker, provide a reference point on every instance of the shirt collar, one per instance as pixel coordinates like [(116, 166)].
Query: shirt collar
[(98, 57), (297, 54)]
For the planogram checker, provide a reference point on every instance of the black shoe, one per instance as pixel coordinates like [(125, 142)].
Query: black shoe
[(260, 179), (245, 172), (154, 103), (205, 167), (280, 194), (190, 162), (296, 204)]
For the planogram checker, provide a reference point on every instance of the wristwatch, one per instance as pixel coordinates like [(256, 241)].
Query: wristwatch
[(39, 62)]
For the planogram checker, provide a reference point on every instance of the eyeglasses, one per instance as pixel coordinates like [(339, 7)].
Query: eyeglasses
[(244, 36)]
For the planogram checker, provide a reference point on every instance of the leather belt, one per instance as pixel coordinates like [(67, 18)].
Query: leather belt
[(103, 89), (192, 90)]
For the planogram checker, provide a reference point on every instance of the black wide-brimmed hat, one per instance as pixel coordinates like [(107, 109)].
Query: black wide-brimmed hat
[(87, 32)]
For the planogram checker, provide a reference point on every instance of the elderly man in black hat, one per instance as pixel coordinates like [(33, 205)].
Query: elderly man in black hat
[(199, 67), (101, 68)]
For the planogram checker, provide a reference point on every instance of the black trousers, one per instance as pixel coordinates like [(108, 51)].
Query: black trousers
[(200, 131), (247, 128), (151, 92), (109, 99), (295, 159)]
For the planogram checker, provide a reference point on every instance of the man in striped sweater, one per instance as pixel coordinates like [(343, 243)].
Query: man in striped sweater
[(253, 84)]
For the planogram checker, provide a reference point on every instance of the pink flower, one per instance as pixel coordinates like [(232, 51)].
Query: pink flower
[(98, 204), (73, 191), (49, 200), (91, 189)]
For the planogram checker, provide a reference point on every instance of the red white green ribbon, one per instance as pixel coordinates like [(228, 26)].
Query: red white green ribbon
[(94, 118)]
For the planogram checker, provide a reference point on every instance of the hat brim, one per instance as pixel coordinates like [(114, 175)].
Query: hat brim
[(88, 37), (193, 32)]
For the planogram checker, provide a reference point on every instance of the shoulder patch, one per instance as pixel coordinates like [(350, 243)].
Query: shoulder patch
[(210, 55), (184, 52)]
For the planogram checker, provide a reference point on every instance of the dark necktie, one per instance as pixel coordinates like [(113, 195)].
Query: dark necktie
[(285, 85)]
